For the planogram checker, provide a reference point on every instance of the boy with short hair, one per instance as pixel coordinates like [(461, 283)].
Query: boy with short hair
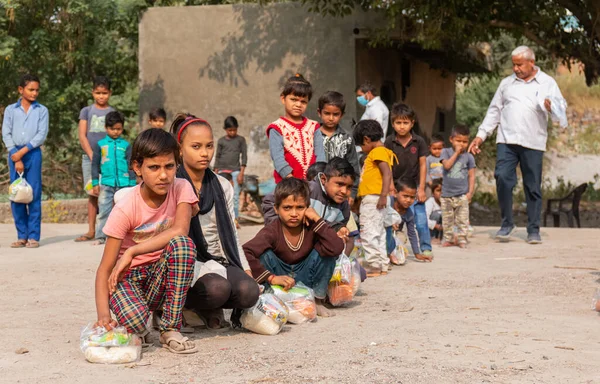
[(297, 247), (375, 185), (336, 142), (434, 165), (230, 148), (24, 130), (406, 191), (91, 130), (110, 160), (458, 187), (411, 151), (157, 118)]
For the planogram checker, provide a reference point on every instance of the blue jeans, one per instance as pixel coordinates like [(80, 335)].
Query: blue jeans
[(390, 242), (530, 161), (236, 193), (105, 206), (28, 217), (314, 271), (420, 213)]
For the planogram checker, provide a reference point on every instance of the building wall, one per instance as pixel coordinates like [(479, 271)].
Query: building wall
[(215, 61)]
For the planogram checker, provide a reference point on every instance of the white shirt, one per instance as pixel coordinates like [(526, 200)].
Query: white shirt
[(377, 110), (208, 223), (431, 206), (518, 111)]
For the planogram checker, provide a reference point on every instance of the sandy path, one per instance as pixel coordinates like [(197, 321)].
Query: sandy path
[(474, 318)]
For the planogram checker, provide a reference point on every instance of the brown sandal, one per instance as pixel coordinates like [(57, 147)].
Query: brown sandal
[(32, 244), (19, 244), (85, 237)]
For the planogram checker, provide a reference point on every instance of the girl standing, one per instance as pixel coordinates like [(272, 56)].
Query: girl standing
[(213, 230), (148, 261), (292, 140)]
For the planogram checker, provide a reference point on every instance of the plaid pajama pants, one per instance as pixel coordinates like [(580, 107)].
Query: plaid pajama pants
[(148, 287), (455, 213)]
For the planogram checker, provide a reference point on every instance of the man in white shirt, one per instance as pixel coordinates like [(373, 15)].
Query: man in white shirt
[(375, 107), (520, 109)]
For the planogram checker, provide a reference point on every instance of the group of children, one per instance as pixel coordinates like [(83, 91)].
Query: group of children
[(173, 213)]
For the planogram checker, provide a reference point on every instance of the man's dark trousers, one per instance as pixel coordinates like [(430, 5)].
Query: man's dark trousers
[(530, 161)]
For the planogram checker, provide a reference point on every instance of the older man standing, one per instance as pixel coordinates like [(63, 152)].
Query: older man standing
[(375, 108), (520, 110)]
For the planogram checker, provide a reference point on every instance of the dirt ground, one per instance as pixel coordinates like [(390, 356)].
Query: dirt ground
[(495, 313)]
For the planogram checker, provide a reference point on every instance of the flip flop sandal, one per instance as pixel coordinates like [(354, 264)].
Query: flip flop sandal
[(207, 315), (83, 238), (394, 260), (32, 244), (19, 244), (146, 339), (180, 340)]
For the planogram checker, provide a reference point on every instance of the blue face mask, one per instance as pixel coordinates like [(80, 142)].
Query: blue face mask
[(362, 100)]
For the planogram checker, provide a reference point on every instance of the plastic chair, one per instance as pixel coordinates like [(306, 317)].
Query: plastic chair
[(569, 205)]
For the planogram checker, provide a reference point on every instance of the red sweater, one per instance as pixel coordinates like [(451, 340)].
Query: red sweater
[(298, 144), (317, 236)]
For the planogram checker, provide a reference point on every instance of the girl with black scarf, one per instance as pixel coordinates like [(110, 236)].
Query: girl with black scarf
[(213, 229)]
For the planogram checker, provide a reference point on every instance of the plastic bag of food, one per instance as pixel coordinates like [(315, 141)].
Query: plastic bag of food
[(343, 270), (596, 301), (300, 301), (267, 316), (20, 191), (109, 347), (345, 281)]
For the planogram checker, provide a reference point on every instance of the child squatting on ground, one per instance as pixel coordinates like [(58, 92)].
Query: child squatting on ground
[(292, 141), (110, 169), (406, 193), (24, 130), (375, 185), (91, 130), (148, 260), (298, 247), (458, 187)]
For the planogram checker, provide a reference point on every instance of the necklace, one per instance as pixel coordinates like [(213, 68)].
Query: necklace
[(300, 241)]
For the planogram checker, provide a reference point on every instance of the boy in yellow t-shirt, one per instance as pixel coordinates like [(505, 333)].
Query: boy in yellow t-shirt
[(374, 187)]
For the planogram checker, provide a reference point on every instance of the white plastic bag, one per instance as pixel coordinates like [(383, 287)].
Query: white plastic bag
[(109, 347), (300, 301), (391, 217), (267, 316), (19, 191)]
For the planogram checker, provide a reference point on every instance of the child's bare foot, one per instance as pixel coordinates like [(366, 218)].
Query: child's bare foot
[(177, 343), (447, 244), (394, 260), (462, 245), (322, 310), (87, 237), (423, 258), (99, 242)]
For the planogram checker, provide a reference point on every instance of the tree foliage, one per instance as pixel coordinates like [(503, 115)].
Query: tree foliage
[(567, 29)]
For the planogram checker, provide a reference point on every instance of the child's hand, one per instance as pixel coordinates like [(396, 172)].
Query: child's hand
[(421, 195), (310, 215), (382, 203), (96, 190), (396, 227), (469, 196), (285, 281), (119, 271), (240, 178), (350, 201), (438, 227), (107, 322), (343, 233), (19, 167)]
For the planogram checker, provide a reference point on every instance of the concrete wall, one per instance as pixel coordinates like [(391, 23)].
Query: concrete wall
[(215, 61)]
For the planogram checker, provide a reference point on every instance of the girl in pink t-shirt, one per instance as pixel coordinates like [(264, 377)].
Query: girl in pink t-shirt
[(148, 259)]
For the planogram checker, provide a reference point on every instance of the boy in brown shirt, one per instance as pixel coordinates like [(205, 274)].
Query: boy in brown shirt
[(299, 247)]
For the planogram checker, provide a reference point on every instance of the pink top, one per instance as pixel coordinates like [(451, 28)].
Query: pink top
[(133, 221)]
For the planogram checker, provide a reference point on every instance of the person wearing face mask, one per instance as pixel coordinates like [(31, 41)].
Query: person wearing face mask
[(375, 108)]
